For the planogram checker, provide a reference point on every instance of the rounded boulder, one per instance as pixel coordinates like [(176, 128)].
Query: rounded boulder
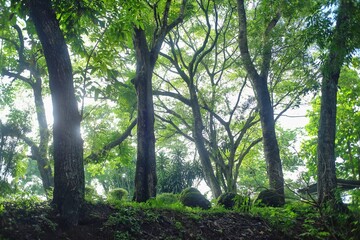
[(191, 197), (269, 198)]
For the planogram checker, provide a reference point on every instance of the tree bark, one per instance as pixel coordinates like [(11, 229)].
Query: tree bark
[(145, 176), (42, 158), (271, 148), (259, 81), (68, 145), (146, 57), (327, 126), (204, 155)]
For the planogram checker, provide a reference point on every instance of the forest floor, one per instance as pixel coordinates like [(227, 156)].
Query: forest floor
[(29, 220)]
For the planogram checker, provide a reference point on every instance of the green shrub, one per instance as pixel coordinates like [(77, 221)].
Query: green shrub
[(281, 219), (117, 195), (167, 198), (5, 188), (91, 194)]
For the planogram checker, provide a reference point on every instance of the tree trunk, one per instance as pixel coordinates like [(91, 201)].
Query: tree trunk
[(68, 145), (145, 176), (259, 81), (42, 158), (271, 148), (39, 151), (204, 155), (327, 126)]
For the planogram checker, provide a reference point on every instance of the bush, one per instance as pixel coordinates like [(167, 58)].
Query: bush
[(191, 197), (91, 194), (167, 198), (280, 219), (269, 198), (117, 195)]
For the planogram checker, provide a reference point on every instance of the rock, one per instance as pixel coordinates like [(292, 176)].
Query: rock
[(269, 198), (234, 201), (191, 197), (227, 200)]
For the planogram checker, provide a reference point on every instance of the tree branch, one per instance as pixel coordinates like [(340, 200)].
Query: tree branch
[(267, 48), (96, 155), (173, 95), (243, 42), (17, 76), (178, 130)]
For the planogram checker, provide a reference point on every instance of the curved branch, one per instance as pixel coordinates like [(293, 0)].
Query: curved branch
[(96, 155), (20, 48), (173, 95)]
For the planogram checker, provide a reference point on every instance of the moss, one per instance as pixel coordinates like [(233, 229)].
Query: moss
[(191, 197), (189, 190)]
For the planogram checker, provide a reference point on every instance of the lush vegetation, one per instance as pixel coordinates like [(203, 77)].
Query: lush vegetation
[(166, 218), (112, 107)]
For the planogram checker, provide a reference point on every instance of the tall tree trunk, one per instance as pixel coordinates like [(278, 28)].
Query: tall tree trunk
[(204, 155), (145, 176), (146, 57), (259, 81), (68, 145), (327, 126)]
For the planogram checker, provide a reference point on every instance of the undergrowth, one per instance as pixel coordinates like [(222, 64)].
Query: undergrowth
[(296, 220), (303, 221)]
